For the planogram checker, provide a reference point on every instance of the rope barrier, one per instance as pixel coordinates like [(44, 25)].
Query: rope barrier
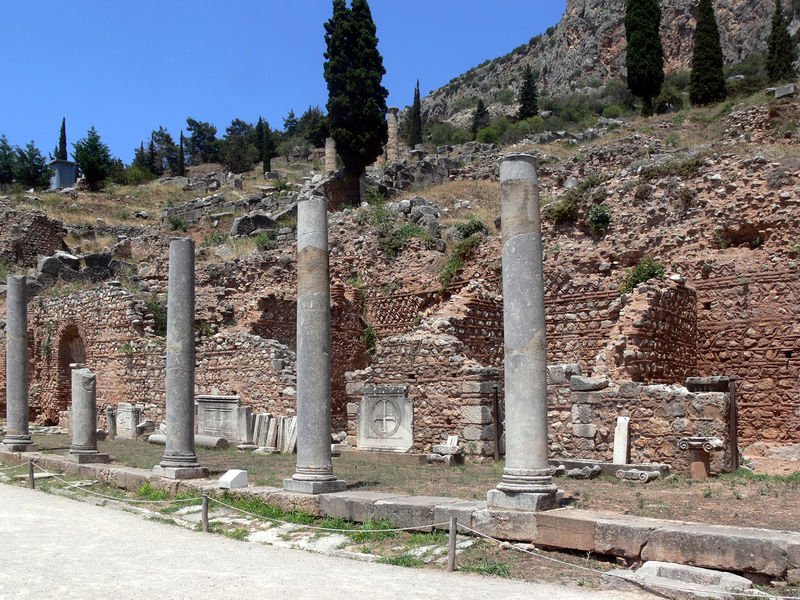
[(741, 594), (13, 467)]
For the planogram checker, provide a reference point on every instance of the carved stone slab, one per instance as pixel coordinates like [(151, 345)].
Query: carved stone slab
[(709, 444), (385, 419), (637, 475)]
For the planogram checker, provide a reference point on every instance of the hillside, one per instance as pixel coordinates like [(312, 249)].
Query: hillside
[(587, 47)]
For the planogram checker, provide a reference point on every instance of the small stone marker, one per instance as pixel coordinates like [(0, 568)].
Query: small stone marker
[(699, 450), (235, 479), (622, 441), (637, 475), (785, 90)]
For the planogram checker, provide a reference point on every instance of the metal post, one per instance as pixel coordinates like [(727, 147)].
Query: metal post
[(205, 513), (451, 552), (31, 479)]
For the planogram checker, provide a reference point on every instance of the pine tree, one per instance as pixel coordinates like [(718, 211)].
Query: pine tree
[(356, 98), (528, 96), (61, 153), (644, 55), (93, 158), (782, 51), (415, 120), (480, 119), (152, 158), (30, 167), (707, 82), (7, 159), (181, 158), (268, 148), (202, 145)]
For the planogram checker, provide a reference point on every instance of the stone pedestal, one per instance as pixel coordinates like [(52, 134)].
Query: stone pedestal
[(393, 142), (83, 421), (111, 422), (700, 449), (18, 437), (314, 471), (526, 483), (180, 460)]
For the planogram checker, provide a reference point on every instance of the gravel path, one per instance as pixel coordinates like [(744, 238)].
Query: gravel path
[(54, 547)]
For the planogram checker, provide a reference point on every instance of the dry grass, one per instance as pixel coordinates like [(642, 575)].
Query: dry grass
[(484, 197)]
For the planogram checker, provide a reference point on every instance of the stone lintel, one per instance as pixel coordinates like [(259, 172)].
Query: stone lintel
[(314, 487), (180, 472)]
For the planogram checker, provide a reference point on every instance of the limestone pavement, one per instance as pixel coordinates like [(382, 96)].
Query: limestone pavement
[(66, 549)]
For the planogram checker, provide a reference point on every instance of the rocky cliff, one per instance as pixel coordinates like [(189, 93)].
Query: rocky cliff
[(587, 47)]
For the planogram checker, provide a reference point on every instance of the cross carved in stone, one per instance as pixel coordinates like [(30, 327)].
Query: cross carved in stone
[(385, 418)]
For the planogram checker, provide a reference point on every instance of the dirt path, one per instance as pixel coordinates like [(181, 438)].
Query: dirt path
[(59, 548)]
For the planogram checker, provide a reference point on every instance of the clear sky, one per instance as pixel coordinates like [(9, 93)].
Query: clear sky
[(128, 66)]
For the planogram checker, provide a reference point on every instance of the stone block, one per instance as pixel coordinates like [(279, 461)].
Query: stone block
[(477, 387), (462, 511), (580, 383), (411, 511), (720, 547), (385, 419), (629, 389), (785, 90), (512, 525), (180, 472), (561, 373), (478, 432), (584, 430), (623, 536), (233, 479), (622, 449), (566, 528), (476, 415), (582, 413), (444, 449), (314, 487), (500, 500), (352, 505)]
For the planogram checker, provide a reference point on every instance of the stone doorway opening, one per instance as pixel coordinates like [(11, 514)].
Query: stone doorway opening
[(71, 349)]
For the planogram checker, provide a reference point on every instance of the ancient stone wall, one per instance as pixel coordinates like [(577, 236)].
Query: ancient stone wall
[(748, 328), (581, 424), (451, 394), (26, 234)]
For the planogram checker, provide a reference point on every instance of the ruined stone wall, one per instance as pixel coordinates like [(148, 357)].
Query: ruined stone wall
[(25, 234), (581, 424), (748, 328), (451, 394)]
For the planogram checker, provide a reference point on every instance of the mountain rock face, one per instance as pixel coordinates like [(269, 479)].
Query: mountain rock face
[(587, 48)]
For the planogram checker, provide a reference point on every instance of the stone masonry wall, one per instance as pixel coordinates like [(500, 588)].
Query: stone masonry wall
[(581, 424), (26, 234), (451, 394)]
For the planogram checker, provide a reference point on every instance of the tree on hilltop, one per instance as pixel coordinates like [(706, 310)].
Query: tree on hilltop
[(202, 145), (61, 149), (7, 157), (528, 96), (238, 151), (415, 120), (644, 55), (93, 158), (707, 81), (30, 167), (782, 51), (181, 158), (356, 98)]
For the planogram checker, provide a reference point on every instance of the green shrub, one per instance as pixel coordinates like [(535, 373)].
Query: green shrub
[(3, 271), (392, 243), (599, 219), (370, 339), (642, 193), (647, 269), (674, 168), (488, 135), (215, 238), (612, 111), (458, 257), (265, 240), (178, 224), (158, 308), (471, 227), (566, 209), (670, 99)]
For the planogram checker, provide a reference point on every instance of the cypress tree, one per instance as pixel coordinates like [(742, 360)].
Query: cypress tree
[(480, 119), (782, 52), (268, 148), (260, 136), (707, 82), (181, 159), (356, 98), (61, 153), (528, 96), (415, 120), (644, 55)]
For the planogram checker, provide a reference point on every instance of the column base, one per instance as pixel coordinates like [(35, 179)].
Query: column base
[(18, 446), (314, 487), (522, 500), (83, 458), (180, 472)]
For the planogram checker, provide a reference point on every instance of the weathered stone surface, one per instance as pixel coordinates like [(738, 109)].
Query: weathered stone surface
[(566, 528), (353, 506), (580, 383), (233, 479), (517, 526), (476, 415), (410, 511)]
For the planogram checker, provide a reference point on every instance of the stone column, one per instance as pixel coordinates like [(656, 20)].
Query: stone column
[(111, 422), (179, 460), (330, 155), (526, 483), (314, 472), (83, 422), (18, 437), (393, 144)]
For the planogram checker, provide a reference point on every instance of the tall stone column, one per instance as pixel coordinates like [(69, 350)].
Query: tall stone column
[(180, 460), (18, 437), (314, 471), (83, 422), (526, 483), (330, 155), (393, 143)]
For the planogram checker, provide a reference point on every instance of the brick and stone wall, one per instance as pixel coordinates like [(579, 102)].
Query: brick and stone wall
[(26, 234), (451, 394)]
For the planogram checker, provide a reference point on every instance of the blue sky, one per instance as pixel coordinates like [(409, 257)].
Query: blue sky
[(128, 66)]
